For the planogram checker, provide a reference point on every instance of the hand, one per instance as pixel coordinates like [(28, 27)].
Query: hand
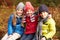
[(49, 16), (43, 38)]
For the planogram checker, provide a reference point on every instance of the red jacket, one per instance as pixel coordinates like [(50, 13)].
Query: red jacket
[(31, 24)]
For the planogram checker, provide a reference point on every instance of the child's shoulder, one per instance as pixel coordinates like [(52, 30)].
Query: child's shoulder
[(51, 20), (12, 15)]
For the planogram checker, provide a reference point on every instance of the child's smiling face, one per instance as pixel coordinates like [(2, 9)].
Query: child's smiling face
[(29, 12), (19, 12), (44, 14)]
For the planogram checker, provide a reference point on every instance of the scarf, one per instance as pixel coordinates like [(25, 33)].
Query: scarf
[(39, 27)]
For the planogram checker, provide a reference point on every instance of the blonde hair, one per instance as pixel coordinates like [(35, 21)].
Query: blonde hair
[(14, 18)]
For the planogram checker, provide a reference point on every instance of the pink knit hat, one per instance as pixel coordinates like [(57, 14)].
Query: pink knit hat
[(28, 6)]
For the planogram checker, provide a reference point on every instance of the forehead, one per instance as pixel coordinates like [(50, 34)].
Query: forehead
[(20, 9), (43, 12), (29, 10)]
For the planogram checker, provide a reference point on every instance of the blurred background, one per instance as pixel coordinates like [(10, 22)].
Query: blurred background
[(8, 6)]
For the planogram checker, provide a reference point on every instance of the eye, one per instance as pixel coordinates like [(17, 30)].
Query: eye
[(21, 10)]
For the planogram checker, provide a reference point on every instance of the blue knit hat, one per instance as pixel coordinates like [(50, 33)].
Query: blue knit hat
[(20, 6), (43, 8)]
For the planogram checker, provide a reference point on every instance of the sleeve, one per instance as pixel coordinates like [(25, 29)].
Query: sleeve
[(34, 18), (37, 32), (10, 30), (52, 30)]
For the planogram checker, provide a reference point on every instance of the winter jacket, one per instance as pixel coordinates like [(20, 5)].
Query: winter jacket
[(15, 29), (31, 24), (48, 28)]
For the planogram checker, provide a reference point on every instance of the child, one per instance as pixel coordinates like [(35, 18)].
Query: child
[(31, 22), (15, 29), (46, 26)]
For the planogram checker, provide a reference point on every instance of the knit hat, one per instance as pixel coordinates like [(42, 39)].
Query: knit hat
[(43, 8), (28, 5), (20, 6)]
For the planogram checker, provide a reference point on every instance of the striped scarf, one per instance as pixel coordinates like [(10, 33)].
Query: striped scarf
[(32, 18)]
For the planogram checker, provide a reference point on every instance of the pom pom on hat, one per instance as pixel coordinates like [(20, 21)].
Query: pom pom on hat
[(28, 6)]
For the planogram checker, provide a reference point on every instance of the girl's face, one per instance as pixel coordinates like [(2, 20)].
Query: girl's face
[(29, 12), (19, 12), (44, 14)]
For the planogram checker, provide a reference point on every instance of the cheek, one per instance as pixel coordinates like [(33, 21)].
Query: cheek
[(46, 14), (19, 11), (43, 15)]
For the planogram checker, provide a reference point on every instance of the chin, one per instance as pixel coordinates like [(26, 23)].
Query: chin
[(43, 17), (19, 14)]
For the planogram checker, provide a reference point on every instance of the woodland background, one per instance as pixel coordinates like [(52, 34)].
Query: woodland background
[(8, 6)]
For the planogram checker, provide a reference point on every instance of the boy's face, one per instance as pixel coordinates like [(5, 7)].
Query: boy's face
[(19, 12), (29, 12), (43, 14)]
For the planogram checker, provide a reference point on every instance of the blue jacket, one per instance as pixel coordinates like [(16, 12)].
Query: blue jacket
[(12, 29)]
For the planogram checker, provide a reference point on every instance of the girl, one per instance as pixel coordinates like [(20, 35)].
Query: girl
[(46, 26), (31, 22), (15, 28)]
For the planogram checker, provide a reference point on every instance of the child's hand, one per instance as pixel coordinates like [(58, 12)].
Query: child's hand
[(49, 16), (43, 38)]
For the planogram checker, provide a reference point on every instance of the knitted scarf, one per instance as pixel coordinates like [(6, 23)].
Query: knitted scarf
[(39, 27)]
